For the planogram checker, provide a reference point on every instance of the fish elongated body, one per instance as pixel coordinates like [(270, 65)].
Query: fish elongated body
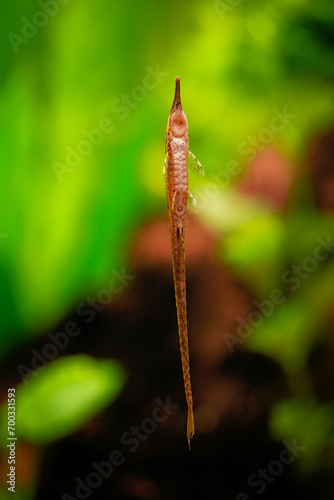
[(176, 177)]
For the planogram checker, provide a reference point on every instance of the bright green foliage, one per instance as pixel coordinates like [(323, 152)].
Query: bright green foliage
[(88, 64), (65, 396)]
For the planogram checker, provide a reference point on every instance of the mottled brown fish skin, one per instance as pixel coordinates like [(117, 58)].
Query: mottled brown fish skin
[(177, 195)]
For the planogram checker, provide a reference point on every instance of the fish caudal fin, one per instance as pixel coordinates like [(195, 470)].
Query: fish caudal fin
[(190, 426)]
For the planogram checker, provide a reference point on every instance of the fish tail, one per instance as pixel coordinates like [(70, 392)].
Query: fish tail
[(187, 384), (184, 348), (190, 425)]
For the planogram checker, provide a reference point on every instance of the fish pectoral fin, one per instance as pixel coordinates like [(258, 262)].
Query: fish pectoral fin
[(194, 164), (192, 199)]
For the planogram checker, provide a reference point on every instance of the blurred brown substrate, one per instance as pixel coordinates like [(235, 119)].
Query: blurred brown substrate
[(268, 178), (321, 167)]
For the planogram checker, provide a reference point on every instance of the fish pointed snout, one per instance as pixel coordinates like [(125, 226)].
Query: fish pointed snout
[(177, 95)]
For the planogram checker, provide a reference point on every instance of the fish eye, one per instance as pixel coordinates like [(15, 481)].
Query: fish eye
[(178, 124)]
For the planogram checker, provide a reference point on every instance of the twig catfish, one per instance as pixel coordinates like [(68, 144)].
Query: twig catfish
[(178, 158)]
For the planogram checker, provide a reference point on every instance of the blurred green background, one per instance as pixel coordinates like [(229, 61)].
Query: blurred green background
[(85, 92)]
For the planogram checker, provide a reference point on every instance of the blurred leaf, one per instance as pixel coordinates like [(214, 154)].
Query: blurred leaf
[(66, 395), (291, 328), (309, 424), (254, 249)]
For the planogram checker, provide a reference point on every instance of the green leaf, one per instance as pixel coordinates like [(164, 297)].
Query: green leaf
[(66, 395), (309, 424)]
